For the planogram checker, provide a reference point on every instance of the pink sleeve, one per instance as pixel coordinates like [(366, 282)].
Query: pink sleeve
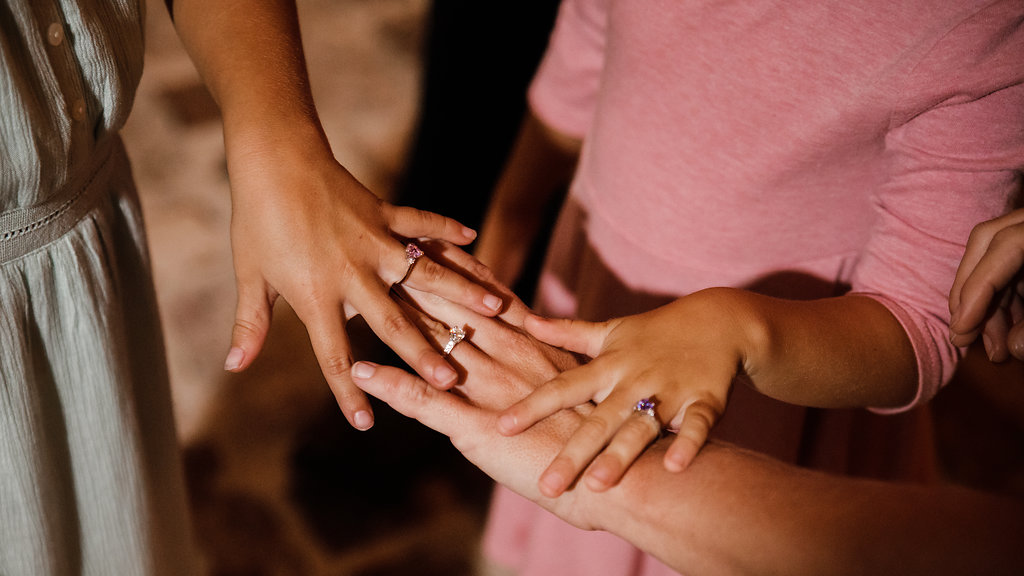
[(564, 91), (952, 166)]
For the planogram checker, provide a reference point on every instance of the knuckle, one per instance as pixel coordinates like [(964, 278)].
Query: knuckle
[(415, 393), (984, 230), (245, 327), (432, 271), (335, 367), (593, 429), (394, 324)]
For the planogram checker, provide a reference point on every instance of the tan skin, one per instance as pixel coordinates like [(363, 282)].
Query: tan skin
[(303, 228), (731, 512), (686, 355), (992, 271)]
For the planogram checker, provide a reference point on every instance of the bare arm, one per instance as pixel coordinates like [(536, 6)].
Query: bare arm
[(540, 166), (831, 353), (732, 511), (302, 227)]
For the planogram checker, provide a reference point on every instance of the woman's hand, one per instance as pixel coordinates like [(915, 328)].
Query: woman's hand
[(304, 229), (683, 356), (987, 297), (501, 364)]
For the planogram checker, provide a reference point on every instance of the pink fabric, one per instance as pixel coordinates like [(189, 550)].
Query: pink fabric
[(854, 143)]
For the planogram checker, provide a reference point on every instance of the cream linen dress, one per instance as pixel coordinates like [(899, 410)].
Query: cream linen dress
[(90, 479)]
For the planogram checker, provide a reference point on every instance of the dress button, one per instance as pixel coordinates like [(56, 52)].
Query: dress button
[(55, 34), (78, 110)]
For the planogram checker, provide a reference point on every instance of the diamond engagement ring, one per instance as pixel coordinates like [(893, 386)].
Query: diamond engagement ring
[(645, 406), (412, 254), (455, 335)]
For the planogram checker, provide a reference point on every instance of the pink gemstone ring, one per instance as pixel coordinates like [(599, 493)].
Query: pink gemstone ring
[(412, 254)]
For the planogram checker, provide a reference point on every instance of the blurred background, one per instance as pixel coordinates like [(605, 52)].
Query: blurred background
[(279, 483)]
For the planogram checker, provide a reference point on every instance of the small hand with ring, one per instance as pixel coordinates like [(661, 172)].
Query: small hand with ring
[(678, 360)]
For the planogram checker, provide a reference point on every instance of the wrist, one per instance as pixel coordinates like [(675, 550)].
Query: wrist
[(742, 322)]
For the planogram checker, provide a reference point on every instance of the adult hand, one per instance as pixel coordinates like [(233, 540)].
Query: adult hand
[(304, 229), (987, 297), (501, 364)]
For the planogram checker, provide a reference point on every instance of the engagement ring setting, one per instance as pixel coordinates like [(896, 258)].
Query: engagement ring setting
[(455, 335), (412, 254)]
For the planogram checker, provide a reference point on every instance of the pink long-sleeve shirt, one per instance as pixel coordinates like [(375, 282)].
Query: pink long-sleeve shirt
[(856, 142)]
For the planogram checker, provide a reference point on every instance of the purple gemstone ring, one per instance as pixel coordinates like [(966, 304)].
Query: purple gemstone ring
[(645, 406), (412, 254)]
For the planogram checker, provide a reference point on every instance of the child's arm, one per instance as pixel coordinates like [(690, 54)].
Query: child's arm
[(832, 353), (539, 167), (732, 512)]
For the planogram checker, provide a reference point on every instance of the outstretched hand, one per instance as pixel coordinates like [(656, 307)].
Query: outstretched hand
[(987, 297), (682, 356), (501, 364), (304, 229)]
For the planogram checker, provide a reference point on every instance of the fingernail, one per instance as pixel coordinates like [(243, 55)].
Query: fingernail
[(551, 484), (234, 359), (599, 477), (493, 302), (468, 232), (673, 463), (444, 374), (363, 419), (988, 347), (506, 423), (363, 370)]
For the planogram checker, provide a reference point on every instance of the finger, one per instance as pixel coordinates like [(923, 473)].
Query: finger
[(994, 335), (636, 433), (490, 335), (429, 276), (977, 244), (330, 345), (1015, 341), (568, 389), (457, 259), (698, 419), (413, 223), (390, 323), (995, 269), (593, 434), (413, 397), (252, 322), (575, 335)]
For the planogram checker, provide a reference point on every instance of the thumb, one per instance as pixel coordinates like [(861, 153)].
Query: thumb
[(252, 322), (573, 335)]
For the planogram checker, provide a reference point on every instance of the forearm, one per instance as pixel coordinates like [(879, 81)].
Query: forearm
[(848, 351), (250, 56), (540, 166), (734, 511)]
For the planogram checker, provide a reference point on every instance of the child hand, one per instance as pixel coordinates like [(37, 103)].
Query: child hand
[(683, 356)]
